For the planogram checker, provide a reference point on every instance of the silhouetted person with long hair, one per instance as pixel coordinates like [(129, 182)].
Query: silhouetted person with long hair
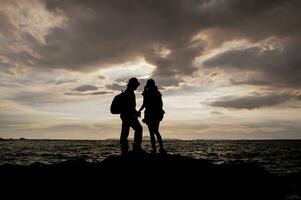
[(129, 117), (153, 114)]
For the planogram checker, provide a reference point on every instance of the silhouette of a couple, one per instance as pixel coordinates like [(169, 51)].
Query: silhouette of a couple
[(153, 114)]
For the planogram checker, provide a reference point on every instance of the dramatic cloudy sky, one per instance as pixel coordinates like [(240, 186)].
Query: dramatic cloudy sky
[(228, 69)]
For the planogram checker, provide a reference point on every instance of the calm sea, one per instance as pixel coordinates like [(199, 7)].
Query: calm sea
[(277, 156)]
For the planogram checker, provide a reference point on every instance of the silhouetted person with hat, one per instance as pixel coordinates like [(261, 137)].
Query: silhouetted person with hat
[(129, 117), (153, 114)]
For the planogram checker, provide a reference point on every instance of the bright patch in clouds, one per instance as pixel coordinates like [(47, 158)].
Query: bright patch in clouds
[(139, 69)]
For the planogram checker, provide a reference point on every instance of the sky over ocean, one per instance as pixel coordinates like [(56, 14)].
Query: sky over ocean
[(226, 69)]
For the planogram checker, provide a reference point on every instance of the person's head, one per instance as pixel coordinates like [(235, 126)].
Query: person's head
[(150, 85), (133, 83)]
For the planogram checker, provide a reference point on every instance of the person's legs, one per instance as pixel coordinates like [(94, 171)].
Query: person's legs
[(152, 137), (125, 129), (135, 124), (158, 135)]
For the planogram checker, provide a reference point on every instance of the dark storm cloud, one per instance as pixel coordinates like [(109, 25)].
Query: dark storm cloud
[(216, 113), (99, 93), (252, 19), (277, 67), (87, 93), (6, 25), (101, 77), (252, 102), (115, 86), (84, 88), (113, 32), (43, 98), (253, 82), (101, 33)]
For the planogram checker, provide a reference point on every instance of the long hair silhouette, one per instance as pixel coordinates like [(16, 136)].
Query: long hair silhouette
[(153, 114)]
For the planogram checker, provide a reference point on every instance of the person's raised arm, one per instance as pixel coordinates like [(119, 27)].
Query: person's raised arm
[(143, 105)]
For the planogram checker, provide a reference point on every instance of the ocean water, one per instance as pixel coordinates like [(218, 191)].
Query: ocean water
[(277, 156)]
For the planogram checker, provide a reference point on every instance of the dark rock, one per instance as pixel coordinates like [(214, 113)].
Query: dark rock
[(173, 175)]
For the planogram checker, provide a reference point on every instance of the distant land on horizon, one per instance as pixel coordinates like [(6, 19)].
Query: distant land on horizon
[(145, 138), (22, 138)]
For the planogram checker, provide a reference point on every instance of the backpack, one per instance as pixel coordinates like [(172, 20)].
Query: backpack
[(117, 104)]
